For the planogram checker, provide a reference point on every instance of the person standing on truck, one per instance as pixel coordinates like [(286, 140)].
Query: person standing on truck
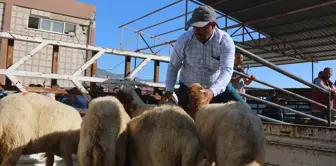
[(206, 56)]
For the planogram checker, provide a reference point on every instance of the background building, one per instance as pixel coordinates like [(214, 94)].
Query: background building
[(61, 20)]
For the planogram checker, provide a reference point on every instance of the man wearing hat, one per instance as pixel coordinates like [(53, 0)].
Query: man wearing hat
[(204, 55)]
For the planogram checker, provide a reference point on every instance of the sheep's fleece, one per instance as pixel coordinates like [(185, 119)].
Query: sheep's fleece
[(163, 136), (33, 123), (103, 134), (231, 133)]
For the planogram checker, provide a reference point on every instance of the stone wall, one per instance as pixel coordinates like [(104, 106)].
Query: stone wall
[(24, 21)]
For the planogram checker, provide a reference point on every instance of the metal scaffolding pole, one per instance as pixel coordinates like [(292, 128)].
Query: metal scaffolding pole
[(155, 11), (276, 68), (283, 90), (282, 107)]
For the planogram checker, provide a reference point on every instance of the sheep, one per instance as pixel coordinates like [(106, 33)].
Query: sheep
[(32, 123), (231, 133), (103, 134), (162, 135)]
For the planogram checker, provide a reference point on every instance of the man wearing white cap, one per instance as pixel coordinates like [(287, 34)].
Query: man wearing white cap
[(204, 55)]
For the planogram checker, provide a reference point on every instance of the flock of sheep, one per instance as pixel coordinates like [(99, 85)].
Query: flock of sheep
[(124, 131)]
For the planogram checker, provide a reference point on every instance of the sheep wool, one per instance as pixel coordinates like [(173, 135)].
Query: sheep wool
[(33, 123), (103, 135), (162, 135), (231, 133)]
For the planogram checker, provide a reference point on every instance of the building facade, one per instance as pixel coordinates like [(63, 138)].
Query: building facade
[(61, 20)]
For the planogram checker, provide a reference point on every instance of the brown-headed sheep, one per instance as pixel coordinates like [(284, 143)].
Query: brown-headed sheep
[(103, 136), (159, 135), (231, 133), (32, 123)]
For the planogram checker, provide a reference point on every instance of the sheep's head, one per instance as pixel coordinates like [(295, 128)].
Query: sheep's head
[(129, 99), (196, 98)]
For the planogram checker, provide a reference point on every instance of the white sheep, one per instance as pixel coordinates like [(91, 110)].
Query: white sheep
[(103, 135), (159, 135), (231, 133), (32, 123)]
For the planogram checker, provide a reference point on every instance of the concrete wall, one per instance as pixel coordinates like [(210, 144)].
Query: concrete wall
[(69, 59)]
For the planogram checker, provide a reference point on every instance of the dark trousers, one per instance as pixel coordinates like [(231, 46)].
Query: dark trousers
[(230, 93)]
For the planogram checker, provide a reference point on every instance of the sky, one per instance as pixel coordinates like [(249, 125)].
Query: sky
[(111, 14)]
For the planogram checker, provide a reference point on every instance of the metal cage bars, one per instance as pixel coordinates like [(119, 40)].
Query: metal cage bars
[(290, 75), (11, 72), (241, 25)]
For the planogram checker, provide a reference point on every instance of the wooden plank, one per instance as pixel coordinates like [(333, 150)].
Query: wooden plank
[(93, 72), (127, 66), (54, 68), (156, 71), (47, 90), (9, 61), (4, 42)]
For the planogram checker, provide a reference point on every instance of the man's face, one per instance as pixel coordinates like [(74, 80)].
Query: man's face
[(203, 33), (328, 73)]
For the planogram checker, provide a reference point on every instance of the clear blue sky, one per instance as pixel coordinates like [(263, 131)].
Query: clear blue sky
[(111, 14)]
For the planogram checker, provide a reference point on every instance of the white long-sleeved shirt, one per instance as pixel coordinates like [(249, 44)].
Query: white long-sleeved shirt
[(210, 64)]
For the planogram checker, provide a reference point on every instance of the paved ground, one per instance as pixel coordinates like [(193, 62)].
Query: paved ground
[(38, 160)]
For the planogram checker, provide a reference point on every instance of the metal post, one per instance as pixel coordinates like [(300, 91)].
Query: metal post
[(155, 11), (329, 109), (259, 38), (121, 37), (186, 15), (138, 42), (226, 22), (312, 71), (154, 45), (169, 49), (243, 36)]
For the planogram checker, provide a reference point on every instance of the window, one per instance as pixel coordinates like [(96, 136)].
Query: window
[(51, 25), (46, 24), (69, 28), (58, 27), (33, 22)]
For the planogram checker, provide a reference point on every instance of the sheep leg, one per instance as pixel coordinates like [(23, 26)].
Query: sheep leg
[(210, 160), (97, 158), (12, 158), (50, 159), (191, 153), (66, 153), (209, 163), (121, 148)]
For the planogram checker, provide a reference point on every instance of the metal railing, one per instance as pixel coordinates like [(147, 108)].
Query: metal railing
[(246, 53), (276, 68)]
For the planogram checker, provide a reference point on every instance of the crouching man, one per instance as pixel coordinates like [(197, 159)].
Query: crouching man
[(204, 55)]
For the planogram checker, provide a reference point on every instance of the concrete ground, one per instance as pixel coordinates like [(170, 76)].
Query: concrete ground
[(39, 160)]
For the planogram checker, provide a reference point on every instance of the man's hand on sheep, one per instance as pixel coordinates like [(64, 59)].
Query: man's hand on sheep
[(167, 96), (208, 95)]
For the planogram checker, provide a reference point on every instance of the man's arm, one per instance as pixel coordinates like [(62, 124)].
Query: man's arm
[(226, 66), (320, 83), (175, 64)]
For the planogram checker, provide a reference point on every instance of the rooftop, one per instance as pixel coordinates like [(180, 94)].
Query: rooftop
[(296, 31)]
